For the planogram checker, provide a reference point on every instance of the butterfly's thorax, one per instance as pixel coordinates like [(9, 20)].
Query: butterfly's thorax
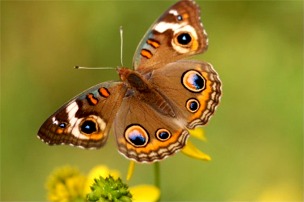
[(140, 87)]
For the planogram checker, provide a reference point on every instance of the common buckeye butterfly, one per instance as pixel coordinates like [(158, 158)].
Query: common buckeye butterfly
[(154, 105)]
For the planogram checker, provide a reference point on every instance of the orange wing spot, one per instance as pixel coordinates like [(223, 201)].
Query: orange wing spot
[(153, 43), (185, 16), (91, 99), (59, 130), (145, 53), (96, 136), (194, 45), (104, 92)]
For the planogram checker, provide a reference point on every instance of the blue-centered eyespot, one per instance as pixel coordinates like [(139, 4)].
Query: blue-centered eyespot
[(193, 81), (192, 105), (136, 135), (62, 125), (88, 126), (163, 134), (183, 39)]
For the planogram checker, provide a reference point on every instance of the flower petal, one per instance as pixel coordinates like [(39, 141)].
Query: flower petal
[(130, 170), (145, 193), (198, 133), (192, 151)]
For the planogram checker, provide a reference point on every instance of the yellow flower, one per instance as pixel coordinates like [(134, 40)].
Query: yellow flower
[(65, 184), (145, 193), (191, 150)]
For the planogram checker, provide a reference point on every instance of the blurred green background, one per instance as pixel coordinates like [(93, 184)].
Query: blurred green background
[(255, 138)]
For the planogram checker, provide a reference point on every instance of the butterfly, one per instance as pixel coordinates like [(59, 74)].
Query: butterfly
[(154, 104)]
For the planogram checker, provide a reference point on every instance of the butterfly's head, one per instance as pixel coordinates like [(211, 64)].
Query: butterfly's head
[(123, 73)]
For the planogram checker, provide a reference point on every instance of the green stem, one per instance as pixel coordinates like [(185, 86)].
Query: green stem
[(157, 174)]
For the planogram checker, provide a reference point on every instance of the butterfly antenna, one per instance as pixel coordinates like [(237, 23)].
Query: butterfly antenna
[(80, 67), (121, 54), (121, 45)]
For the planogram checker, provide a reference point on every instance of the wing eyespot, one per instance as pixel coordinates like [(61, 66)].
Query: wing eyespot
[(193, 81), (62, 125), (192, 105), (91, 125), (163, 134), (183, 39), (88, 127), (136, 135)]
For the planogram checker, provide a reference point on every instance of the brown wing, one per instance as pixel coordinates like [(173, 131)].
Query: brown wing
[(145, 135), (193, 87), (84, 121), (178, 33)]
